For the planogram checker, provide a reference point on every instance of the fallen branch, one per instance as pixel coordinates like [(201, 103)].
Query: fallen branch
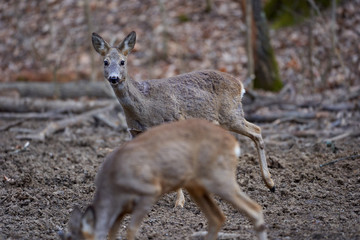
[(305, 133), (345, 106), (102, 117), (116, 123), (260, 102), (53, 127), (32, 115), (43, 105), (285, 115), (60, 90), (22, 130), (353, 157), (286, 102)]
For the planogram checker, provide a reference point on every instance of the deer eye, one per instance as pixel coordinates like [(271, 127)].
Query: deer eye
[(106, 63), (122, 62)]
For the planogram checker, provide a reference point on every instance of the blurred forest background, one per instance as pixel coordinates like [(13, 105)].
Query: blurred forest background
[(59, 118), (50, 40)]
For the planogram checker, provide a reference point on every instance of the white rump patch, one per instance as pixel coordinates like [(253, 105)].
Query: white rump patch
[(242, 92), (215, 122), (237, 150)]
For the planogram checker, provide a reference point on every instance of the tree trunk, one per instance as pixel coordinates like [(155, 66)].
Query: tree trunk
[(249, 43), (90, 27), (266, 69)]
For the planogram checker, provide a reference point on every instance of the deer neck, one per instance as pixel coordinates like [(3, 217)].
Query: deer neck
[(131, 98)]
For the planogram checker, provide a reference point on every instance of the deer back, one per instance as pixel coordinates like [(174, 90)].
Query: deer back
[(167, 156)]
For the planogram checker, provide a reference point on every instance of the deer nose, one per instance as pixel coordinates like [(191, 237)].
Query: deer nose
[(113, 79)]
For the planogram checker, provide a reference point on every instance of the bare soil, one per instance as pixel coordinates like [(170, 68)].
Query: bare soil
[(41, 184)]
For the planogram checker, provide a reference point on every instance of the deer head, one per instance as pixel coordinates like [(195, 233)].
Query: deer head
[(115, 58), (81, 225)]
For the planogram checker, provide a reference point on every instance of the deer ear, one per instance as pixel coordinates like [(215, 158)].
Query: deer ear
[(127, 44), (88, 222), (100, 45)]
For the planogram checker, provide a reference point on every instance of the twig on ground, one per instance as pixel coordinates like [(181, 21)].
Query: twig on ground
[(23, 148), (10, 125), (290, 119), (350, 133), (352, 157)]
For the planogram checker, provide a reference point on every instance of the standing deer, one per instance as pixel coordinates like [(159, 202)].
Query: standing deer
[(211, 95), (192, 154)]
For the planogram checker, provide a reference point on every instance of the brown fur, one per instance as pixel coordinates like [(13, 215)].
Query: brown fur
[(209, 94), (191, 154)]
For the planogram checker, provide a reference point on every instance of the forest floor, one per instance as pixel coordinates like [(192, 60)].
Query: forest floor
[(314, 121), (42, 182)]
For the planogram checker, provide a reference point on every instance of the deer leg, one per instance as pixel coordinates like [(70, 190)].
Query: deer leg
[(180, 199), (140, 210), (251, 209), (107, 215), (212, 212), (230, 192), (115, 227), (254, 133)]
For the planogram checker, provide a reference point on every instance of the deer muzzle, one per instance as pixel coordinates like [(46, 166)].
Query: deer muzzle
[(114, 79)]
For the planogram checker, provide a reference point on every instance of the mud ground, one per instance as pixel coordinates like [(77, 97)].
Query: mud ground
[(40, 186)]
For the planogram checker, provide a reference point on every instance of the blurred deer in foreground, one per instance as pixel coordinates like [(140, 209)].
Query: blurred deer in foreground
[(192, 154), (211, 95)]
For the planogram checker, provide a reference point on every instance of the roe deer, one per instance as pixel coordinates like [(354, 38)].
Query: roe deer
[(192, 154), (211, 95)]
